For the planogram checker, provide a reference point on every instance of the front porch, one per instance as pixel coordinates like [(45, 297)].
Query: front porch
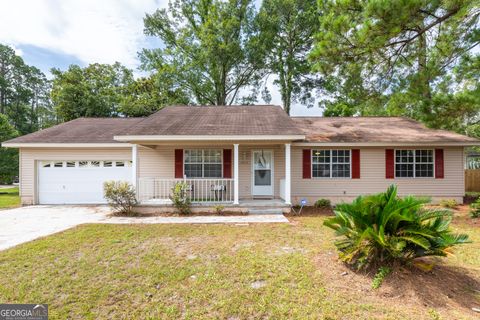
[(252, 175), (255, 206)]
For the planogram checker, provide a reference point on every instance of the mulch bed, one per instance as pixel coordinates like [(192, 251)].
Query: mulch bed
[(311, 211)]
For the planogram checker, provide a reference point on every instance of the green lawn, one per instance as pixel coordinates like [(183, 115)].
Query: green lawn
[(9, 198), (281, 271)]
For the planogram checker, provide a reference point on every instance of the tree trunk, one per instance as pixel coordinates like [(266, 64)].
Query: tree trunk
[(2, 90), (423, 76)]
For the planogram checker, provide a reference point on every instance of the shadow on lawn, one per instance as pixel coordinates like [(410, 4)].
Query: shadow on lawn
[(438, 288), (445, 287)]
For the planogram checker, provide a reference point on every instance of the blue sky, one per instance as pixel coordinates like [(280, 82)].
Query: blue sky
[(57, 33)]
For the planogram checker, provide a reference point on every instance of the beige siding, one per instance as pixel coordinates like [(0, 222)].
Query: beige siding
[(159, 163), (30, 156), (372, 179), (156, 163)]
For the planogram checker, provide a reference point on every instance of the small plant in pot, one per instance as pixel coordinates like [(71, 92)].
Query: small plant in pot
[(384, 230)]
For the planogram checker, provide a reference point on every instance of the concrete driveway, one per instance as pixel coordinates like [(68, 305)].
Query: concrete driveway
[(28, 223)]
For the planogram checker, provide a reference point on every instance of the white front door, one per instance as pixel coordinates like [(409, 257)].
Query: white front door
[(262, 167)]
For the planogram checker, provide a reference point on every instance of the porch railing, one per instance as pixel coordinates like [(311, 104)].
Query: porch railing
[(198, 190)]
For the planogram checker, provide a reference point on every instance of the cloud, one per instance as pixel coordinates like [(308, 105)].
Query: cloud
[(56, 33), (90, 30)]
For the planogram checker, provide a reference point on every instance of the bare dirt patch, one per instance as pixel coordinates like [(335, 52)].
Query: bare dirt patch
[(461, 215), (243, 245), (447, 289)]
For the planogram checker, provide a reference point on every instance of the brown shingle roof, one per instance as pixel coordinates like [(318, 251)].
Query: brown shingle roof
[(217, 120), (373, 129), (245, 120), (81, 130)]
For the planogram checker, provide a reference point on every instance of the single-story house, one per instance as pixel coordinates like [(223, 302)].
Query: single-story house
[(234, 154)]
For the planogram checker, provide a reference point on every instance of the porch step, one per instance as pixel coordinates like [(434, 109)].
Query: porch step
[(260, 211), (271, 203)]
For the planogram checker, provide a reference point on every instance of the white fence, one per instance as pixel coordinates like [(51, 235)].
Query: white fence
[(198, 190)]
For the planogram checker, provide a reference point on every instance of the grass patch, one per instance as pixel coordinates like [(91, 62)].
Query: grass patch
[(9, 198), (261, 271)]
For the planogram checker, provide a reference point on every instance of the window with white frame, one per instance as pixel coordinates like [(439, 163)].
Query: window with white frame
[(203, 163), (331, 163), (414, 163)]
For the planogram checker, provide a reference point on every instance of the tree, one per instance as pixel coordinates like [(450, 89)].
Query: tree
[(40, 111), (394, 52), (145, 96), (104, 90), (287, 28), (456, 100), (94, 91), (210, 48), (8, 157), (24, 92)]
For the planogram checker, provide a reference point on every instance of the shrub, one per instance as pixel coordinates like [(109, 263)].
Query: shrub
[(323, 203), (449, 203), (473, 194), (475, 209), (180, 198), (382, 229), (219, 209), (121, 197)]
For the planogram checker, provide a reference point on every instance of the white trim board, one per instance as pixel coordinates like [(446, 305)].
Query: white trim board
[(209, 137), (245, 138), (66, 145), (385, 144)]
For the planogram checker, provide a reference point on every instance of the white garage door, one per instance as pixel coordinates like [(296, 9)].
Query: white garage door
[(78, 182)]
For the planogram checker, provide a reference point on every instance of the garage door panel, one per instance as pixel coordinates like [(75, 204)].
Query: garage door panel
[(77, 185)]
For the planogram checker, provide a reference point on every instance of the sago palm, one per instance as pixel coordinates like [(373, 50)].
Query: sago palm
[(383, 228)]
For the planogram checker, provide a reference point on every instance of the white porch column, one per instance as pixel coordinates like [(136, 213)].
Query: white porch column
[(134, 167), (288, 179), (235, 173)]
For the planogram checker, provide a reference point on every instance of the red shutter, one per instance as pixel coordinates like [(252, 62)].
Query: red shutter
[(355, 163), (439, 169), (307, 163), (389, 164), (227, 163), (179, 163)]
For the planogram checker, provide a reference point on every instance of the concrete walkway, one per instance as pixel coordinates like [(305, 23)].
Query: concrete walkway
[(28, 223), (264, 218)]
